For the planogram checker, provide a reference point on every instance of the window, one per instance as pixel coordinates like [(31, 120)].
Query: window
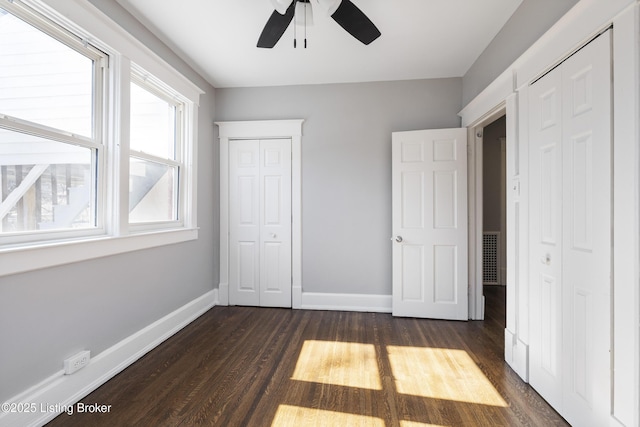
[(50, 121), (97, 139), (155, 154)]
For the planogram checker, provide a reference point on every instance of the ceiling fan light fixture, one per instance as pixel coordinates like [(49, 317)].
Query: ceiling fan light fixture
[(281, 5), (303, 9), (343, 12)]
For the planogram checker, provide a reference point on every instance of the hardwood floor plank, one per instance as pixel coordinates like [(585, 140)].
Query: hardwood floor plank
[(242, 366)]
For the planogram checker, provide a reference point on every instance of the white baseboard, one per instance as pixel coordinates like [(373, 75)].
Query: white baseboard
[(509, 348), (296, 297), (516, 354), (614, 422), (223, 293), (346, 302), (52, 396), (522, 354)]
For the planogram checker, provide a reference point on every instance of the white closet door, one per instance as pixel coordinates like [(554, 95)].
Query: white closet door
[(545, 221), (244, 222), (429, 186), (260, 222), (275, 220), (570, 235), (587, 234)]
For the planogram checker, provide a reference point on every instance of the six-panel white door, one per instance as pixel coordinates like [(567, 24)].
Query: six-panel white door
[(429, 199), (570, 235), (260, 222), (545, 222)]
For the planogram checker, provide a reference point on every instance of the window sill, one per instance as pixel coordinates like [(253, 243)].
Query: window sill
[(23, 259)]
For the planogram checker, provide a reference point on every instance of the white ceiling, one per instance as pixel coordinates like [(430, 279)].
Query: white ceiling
[(420, 39)]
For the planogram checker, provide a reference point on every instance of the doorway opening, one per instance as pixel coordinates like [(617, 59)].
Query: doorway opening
[(488, 206), (494, 203), (494, 211)]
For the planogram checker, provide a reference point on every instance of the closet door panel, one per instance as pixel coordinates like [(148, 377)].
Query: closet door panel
[(275, 220), (244, 222), (260, 222), (545, 156), (587, 233), (570, 235)]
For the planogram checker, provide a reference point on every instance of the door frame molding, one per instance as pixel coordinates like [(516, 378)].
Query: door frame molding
[(262, 129)]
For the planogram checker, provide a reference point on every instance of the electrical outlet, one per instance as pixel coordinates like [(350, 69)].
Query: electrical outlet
[(76, 362)]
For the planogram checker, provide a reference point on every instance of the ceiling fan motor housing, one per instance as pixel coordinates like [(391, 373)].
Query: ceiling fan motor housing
[(281, 5), (330, 6)]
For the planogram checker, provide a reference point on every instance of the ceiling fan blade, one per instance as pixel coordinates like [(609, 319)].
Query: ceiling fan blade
[(355, 22), (275, 27)]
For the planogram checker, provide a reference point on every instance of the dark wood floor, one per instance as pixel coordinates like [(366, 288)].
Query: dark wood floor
[(240, 366)]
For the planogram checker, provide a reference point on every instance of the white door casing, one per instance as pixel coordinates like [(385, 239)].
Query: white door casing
[(429, 199), (262, 129), (570, 235), (260, 222)]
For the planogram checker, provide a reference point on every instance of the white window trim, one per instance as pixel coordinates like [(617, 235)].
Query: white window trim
[(123, 48)]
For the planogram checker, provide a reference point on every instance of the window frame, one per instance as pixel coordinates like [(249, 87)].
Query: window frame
[(124, 55), (147, 82), (95, 142)]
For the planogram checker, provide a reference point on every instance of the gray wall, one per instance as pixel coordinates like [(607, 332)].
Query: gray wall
[(49, 315), (346, 167), (532, 19)]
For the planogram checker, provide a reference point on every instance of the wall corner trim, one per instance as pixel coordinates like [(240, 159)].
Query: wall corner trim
[(66, 390)]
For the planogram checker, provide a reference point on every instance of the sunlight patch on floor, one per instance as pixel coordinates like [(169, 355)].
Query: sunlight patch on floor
[(294, 416), (441, 373), (338, 363)]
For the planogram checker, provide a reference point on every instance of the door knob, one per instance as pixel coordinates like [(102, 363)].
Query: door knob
[(399, 239), (274, 235), (546, 259)]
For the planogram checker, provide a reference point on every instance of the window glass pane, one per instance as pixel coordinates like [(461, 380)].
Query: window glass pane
[(152, 191), (43, 80), (45, 184), (153, 124)]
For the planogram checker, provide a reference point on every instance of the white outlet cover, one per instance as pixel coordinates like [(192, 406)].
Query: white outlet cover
[(76, 362)]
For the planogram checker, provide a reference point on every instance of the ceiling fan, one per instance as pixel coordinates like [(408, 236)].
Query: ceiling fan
[(344, 12)]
